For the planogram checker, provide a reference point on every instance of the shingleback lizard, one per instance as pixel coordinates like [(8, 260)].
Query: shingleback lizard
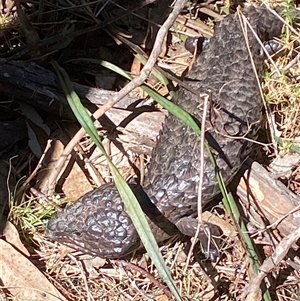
[(98, 224)]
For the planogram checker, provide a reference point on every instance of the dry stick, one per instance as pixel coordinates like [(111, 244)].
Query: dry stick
[(211, 13), (3, 205), (245, 24), (70, 146), (39, 165), (252, 290), (195, 25), (202, 139), (199, 201), (161, 34), (291, 28), (201, 172), (169, 76), (137, 81), (291, 212), (293, 62)]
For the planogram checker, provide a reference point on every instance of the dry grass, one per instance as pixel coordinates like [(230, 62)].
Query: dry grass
[(80, 278)]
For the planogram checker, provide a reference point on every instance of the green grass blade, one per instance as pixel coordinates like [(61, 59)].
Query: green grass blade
[(132, 205), (158, 75)]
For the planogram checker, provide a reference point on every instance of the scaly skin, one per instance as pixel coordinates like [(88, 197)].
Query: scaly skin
[(98, 223)]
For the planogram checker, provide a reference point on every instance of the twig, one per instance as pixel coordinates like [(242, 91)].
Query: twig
[(39, 165), (245, 24), (69, 148), (252, 290), (201, 173), (161, 34), (211, 13)]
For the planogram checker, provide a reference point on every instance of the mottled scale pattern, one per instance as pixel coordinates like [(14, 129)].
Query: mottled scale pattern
[(224, 72)]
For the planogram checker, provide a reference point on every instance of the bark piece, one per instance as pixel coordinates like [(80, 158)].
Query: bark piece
[(266, 200)]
